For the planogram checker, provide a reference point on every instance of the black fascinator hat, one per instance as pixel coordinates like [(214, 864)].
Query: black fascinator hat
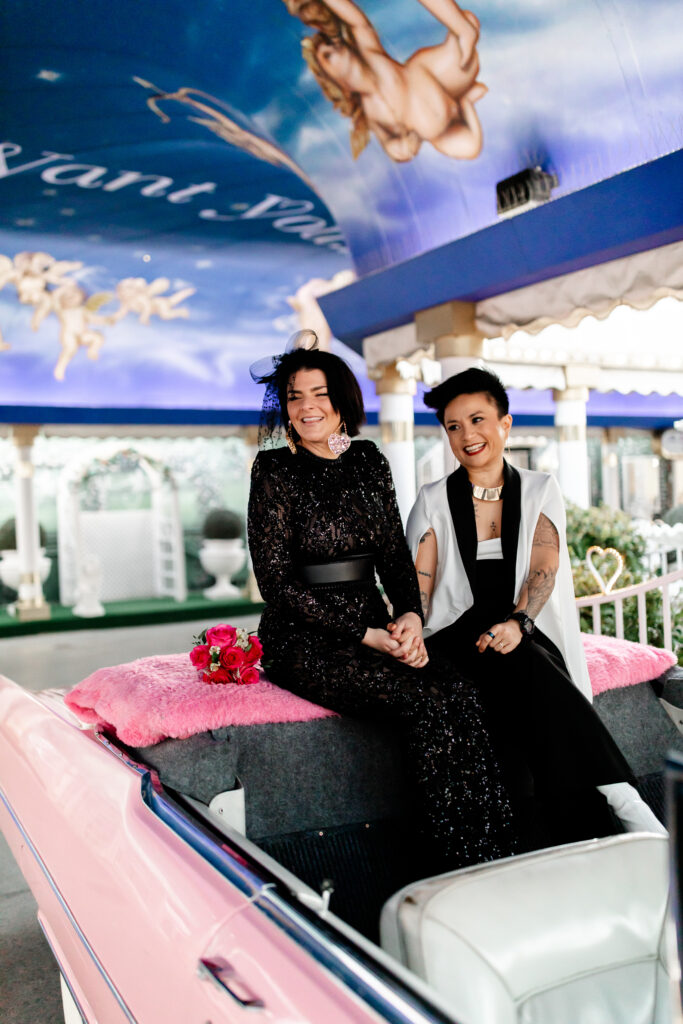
[(302, 353)]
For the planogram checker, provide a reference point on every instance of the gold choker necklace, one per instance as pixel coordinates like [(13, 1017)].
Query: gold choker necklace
[(487, 493)]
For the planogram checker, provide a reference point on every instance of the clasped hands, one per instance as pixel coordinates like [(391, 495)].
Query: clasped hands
[(402, 639)]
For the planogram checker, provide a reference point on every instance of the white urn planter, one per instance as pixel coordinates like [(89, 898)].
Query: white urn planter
[(10, 571), (222, 558)]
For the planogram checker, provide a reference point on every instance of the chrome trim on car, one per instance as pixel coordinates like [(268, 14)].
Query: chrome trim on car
[(62, 902), (62, 971), (370, 981), (375, 984), (237, 869), (223, 976)]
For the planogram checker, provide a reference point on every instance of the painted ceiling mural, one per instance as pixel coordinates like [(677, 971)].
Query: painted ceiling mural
[(181, 170)]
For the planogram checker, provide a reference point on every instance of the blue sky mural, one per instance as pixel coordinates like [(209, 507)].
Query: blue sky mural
[(194, 143)]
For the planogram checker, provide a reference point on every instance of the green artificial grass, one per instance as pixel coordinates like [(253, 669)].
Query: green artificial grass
[(131, 613)]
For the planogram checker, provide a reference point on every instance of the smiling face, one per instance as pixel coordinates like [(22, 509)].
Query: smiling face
[(476, 432), (309, 408)]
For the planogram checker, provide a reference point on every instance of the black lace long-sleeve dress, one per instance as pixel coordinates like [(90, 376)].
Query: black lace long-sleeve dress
[(305, 509)]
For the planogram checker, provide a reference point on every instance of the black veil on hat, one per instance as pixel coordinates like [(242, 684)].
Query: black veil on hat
[(269, 371)]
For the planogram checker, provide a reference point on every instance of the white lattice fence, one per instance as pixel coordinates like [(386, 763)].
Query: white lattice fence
[(617, 597)]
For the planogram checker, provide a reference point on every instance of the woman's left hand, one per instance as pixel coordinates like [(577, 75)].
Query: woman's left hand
[(502, 638)]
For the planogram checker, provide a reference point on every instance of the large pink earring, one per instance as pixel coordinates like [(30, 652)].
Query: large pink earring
[(339, 442)]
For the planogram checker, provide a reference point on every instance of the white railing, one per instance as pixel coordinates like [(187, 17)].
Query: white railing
[(638, 590)]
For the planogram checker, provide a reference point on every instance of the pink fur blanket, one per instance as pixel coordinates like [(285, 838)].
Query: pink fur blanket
[(151, 699), (614, 663)]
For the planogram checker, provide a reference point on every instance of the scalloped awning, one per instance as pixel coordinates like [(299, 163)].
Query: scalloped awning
[(638, 281)]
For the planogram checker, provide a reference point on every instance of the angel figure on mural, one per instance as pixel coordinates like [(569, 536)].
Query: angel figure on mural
[(36, 270), (8, 273), (429, 97), (305, 304), (145, 299), (76, 312), (215, 115), (31, 273)]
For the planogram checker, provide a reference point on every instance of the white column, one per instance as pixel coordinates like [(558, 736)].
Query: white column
[(458, 345), (570, 423), (30, 603), (397, 419), (610, 469)]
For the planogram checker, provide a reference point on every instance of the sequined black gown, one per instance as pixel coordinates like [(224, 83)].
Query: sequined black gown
[(305, 509)]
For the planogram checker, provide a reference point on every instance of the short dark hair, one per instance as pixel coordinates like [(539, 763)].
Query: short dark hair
[(469, 382), (342, 387)]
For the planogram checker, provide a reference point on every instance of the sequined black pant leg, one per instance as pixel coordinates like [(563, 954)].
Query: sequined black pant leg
[(466, 810)]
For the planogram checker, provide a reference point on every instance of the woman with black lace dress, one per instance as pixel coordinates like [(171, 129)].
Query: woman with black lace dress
[(322, 519)]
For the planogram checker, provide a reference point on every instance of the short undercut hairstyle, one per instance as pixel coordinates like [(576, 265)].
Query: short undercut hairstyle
[(469, 382), (342, 387)]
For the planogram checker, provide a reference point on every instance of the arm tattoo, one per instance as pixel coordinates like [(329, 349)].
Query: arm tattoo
[(545, 534), (429, 533), (424, 599), (427, 574), (540, 585)]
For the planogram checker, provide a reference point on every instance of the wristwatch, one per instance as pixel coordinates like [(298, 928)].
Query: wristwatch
[(526, 624)]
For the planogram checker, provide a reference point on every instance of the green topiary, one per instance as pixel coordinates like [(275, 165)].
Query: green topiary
[(222, 524), (673, 516), (8, 536)]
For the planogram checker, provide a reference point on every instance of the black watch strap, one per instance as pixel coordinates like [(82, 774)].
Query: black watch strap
[(526, 623)]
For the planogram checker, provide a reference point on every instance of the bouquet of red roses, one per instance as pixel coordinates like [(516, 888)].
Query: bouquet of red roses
[(223, 654)]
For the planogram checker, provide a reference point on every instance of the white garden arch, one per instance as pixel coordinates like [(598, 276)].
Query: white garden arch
[(138, 553)]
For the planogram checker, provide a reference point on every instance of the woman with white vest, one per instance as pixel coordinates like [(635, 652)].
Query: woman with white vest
[(497, 595)]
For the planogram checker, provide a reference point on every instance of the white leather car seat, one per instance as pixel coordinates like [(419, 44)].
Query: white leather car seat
[(576, 934)]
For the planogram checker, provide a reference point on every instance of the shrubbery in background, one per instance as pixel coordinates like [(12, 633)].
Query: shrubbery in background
[(611, 528), (8, 536)]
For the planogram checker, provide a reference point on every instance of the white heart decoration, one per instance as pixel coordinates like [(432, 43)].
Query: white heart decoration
[(605, 586)]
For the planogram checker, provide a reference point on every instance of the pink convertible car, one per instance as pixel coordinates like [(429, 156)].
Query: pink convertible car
[(270, 872)]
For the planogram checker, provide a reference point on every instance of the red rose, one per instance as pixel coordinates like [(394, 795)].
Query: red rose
[(221, 635), (249, 675), (220, 675), (200, 656), (231, 657), (254, 652)]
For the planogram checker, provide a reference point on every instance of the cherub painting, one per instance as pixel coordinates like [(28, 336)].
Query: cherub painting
[(77, 313), (144, 299), (429, 97), (42, 282)]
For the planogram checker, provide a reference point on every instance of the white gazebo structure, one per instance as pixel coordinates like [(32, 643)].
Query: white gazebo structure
[(576, 333), (117, 554)]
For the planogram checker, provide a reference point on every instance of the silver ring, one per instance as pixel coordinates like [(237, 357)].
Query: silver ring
[(489, 633)]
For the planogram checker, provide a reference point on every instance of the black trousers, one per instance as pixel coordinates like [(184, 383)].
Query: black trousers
[(553, 748)]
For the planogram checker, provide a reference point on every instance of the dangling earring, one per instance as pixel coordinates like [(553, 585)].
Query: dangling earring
[(289, 438), (339, 442)]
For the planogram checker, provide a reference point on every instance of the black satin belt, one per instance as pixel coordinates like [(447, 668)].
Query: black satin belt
[(355, 569)]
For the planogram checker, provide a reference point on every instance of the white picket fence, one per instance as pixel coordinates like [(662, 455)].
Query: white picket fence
[(638, 590)]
